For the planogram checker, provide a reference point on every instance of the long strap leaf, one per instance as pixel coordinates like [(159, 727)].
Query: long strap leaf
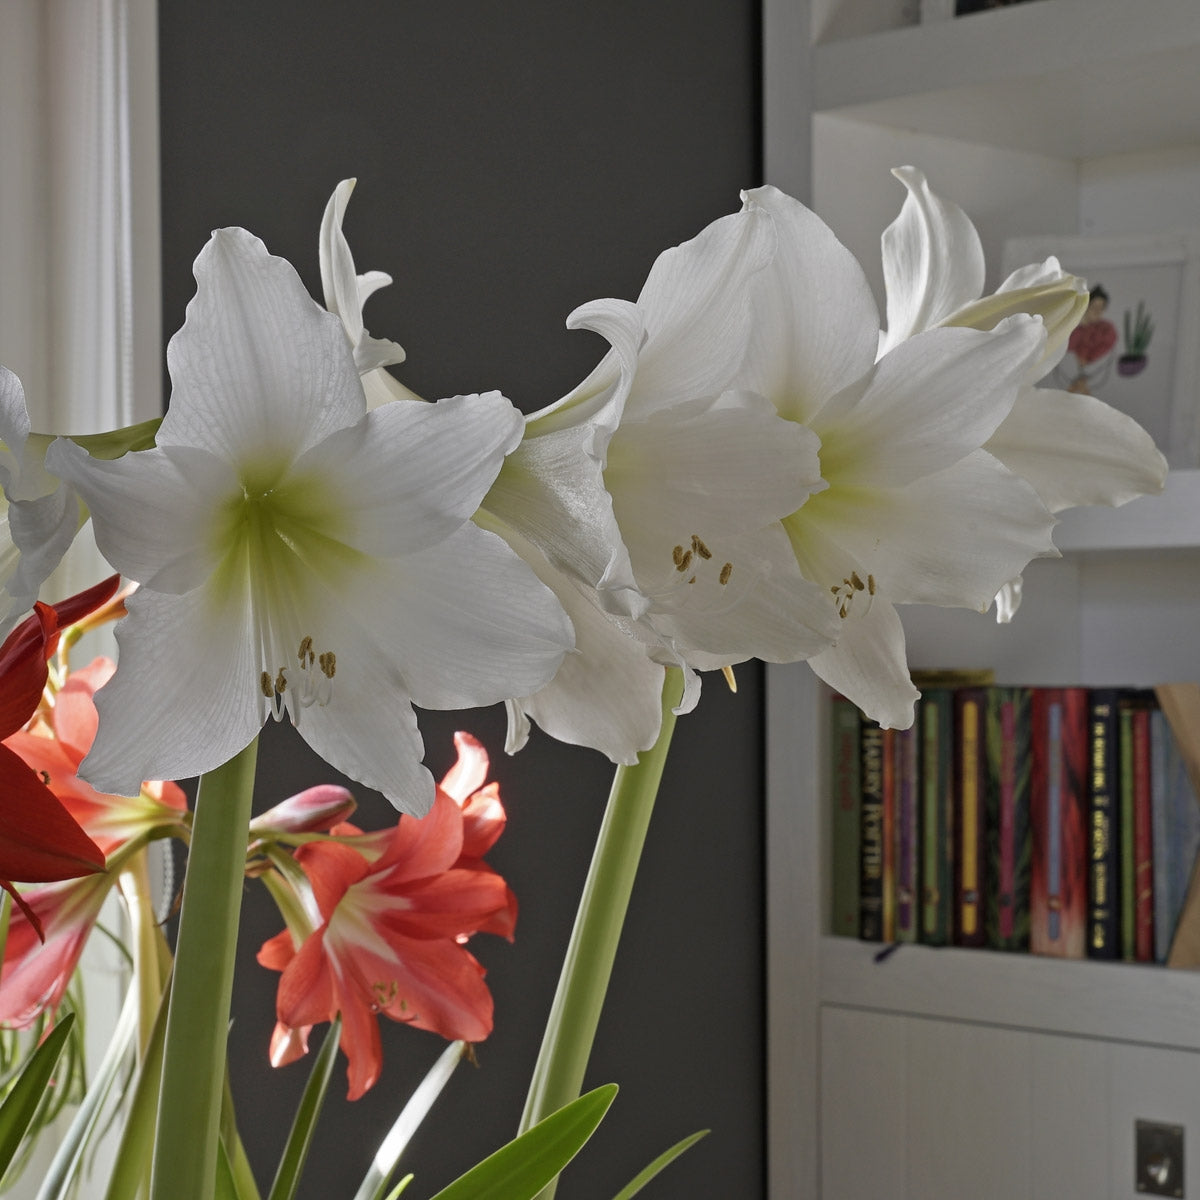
[(131, 1167), (60, 1177), (375, 1182), (287, 1176), (22, 1102), (521, 1169), (665, 1159)]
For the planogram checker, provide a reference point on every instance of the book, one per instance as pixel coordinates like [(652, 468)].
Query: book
[(1009, 844), (970, 789), (906, 837), (1057, 802), (1175, 814), (870, 920), (845, 769), (1137, 894), (1104, 861), (888, 837), (935, 718)]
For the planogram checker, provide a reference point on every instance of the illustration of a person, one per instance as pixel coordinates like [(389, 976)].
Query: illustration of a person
[(1091, 345)]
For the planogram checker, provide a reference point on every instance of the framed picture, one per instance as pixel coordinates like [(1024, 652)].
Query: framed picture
[(1138, 346)]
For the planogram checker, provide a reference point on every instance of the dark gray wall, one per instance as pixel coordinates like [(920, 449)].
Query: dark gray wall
[(514, 160)]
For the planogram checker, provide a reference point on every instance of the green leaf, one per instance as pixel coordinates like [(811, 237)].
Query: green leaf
[(62, 1172), (521, 1169), (131, 1167), (226, 1186), (395, 1192), (375, 1181), (22, 1102), (667, 1157), (287, 1175)]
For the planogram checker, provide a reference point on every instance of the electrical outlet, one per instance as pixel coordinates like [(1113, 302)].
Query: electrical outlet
[(1158, 1158)]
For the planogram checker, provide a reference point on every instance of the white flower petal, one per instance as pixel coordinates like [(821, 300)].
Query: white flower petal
[(371, 739), (696, 308), (167, 544), (935, 398), (1076, 449), (606, 695), (932, 261), (14, 430), (467, 622), (952, 538), (868, 666), (184, 699), (764, 610), (258, 370), (345, 291), (452, 452)]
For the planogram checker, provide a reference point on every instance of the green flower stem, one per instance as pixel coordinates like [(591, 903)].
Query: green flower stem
[(147, 978), (189, 1105), (571, 1029)]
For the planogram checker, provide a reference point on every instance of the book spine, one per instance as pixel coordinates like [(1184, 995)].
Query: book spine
[(907, 835), (1058, 800), (1161, 823), (845, 813), (889, 835), (1128, 857), (1008, 836), (970, 818), (1104, 843), (1143, 840), (935, 714), (871, 844)]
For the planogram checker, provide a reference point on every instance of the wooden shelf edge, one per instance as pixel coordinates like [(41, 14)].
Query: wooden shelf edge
[(1148, 1005)]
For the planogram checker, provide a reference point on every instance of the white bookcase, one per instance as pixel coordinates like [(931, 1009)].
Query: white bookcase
[(954, 1074)]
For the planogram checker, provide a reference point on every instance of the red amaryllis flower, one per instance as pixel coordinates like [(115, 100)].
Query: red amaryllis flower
[(36, 972), (391, 911), (39, 840)]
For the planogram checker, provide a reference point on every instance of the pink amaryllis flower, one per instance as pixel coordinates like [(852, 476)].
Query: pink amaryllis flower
[(35, 973), (40, 841), (387, 916)]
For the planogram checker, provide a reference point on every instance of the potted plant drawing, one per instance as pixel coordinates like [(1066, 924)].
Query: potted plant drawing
[(1138, 333)]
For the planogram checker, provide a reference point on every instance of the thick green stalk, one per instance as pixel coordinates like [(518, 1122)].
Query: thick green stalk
[(189, 1106), (571, 1029)]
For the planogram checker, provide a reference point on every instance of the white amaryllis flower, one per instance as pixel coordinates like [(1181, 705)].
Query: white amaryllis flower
[(299, 555), (38, 517), (1074, 449), (915, 510), (607, 694), (660, 482)]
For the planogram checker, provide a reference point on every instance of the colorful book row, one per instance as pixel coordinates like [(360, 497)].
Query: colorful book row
[(1059, 821)]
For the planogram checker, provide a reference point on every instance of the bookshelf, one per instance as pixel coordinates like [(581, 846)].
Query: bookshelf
[(942, 1073)]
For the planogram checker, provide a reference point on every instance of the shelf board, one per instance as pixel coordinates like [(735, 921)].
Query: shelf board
[(1068, 78), (1169, 521), (1148, 1005)]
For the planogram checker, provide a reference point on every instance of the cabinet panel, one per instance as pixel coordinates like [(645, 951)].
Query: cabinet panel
[(863, 1081), (1069, 1155), (969, 1112), (1155, 1085)]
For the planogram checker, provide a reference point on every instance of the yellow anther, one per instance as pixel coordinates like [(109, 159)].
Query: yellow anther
[(280, 683), (726, 572), (328, 664), (699, 547), (684, 562), (305, 653), (677, 555), (855, 582), (871, 584), (268, 689)]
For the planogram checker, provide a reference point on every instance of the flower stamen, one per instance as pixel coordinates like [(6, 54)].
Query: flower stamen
[(845, 592), (291, 691)]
